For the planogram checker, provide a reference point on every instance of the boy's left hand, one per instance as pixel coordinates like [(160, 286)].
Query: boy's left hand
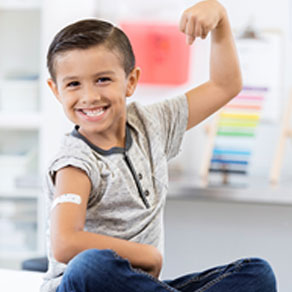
[(200, 19)]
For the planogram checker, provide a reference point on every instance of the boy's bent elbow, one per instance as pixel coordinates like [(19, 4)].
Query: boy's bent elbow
[(60, 256), (233, 88), (63, 249), (237, 86)]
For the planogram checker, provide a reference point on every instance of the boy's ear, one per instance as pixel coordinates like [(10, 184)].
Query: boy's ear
[(52, 84), (133, 79)]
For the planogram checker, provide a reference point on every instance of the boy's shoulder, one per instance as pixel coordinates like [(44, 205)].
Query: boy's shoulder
[(72, 148), (154, 112), (71, 143), (139, 116)]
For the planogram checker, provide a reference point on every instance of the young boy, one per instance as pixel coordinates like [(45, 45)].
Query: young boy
[(107, 185)]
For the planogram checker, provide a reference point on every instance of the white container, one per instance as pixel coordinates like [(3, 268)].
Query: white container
[(19, 96)]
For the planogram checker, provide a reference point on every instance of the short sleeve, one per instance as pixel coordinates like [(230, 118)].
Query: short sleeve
[(76, 153), (170, 118)]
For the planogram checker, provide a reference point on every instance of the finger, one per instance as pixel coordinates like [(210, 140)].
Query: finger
[(198, 30), (190, 39), (204, 35), (205, 32), (190, 27), (182, 23)]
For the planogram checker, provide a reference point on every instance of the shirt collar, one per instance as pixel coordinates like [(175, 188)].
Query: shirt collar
[(75, 133)]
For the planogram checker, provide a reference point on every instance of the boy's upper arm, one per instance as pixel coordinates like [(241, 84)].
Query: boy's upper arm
[(203, 101), (69, 217)]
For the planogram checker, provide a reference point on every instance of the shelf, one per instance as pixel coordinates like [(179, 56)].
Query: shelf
[(25, 193), (21, 125), (12, 255), (23, 121), (19, 5)]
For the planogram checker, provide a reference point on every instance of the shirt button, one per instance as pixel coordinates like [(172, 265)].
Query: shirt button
[(140, 176), (146, 193)]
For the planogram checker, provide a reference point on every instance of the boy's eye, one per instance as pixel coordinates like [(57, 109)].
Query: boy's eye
[(103, 80), (73, 84)]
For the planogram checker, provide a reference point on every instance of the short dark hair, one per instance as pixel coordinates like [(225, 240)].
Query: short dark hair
[(88, 33)]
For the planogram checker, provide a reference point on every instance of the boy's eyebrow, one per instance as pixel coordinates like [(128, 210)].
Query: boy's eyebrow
[(109, 72)]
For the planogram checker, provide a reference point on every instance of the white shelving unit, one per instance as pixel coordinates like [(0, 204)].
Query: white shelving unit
[(21, 223), (26, 30), (29, 193), (20, 5), (11, 121)]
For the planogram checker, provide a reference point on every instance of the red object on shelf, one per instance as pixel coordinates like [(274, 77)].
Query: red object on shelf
[(161, 52)]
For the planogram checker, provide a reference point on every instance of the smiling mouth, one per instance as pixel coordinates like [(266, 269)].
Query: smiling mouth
[(94, 112)]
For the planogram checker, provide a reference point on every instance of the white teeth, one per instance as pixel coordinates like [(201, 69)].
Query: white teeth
[(94, 113)]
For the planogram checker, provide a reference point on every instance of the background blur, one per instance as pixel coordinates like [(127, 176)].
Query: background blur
[(233, 216)]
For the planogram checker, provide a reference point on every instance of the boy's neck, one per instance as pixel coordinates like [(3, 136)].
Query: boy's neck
[(106, 141)]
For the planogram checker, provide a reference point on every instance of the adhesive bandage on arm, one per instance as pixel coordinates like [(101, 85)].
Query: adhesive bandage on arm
[(66, 198)]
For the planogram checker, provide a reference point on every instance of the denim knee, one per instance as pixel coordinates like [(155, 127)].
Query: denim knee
[(86, 264), (263, 274)]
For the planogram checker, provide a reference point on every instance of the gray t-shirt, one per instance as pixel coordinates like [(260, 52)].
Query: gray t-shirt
[(129, 185)]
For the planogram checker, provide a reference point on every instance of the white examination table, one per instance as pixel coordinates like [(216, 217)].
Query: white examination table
[(20, 281)]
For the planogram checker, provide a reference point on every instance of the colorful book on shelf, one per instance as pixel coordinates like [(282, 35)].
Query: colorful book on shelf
[(236, 132)]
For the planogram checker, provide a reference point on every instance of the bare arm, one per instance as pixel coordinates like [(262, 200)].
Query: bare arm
[(67, 222), (225, 76)]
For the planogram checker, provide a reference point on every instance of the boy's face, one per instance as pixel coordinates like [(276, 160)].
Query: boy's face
[(92, 86)]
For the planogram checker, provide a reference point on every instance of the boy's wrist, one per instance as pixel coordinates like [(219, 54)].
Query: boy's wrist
[(222, 13), (223, 21)]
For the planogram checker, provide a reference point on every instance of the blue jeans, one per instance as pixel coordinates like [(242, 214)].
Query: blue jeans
[(104, 271)]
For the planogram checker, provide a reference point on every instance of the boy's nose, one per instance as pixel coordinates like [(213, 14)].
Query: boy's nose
[(90, 95)]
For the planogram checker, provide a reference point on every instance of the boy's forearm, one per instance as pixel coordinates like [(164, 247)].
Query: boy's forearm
[(225, 77), (224, 64), (141, 256)]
